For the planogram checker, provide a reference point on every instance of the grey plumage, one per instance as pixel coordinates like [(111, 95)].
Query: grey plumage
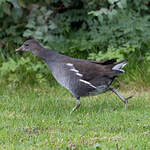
[(80, 77)]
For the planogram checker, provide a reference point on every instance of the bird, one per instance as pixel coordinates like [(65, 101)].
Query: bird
[(81, 77)]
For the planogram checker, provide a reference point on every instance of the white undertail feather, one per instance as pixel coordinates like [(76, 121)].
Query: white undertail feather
[(119, 66)]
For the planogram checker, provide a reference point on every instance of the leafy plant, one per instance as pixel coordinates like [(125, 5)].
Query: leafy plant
[(85, 29), (120, 53), (24, 70)]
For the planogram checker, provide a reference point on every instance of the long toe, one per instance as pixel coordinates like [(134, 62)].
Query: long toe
[(126, 104), (129, 97), (74, 109)]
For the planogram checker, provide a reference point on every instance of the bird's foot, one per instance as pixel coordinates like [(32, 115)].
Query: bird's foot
[(76, 107), (126, 101), (73, 110)]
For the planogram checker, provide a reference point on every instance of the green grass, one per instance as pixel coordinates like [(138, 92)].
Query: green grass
[(39, 118)]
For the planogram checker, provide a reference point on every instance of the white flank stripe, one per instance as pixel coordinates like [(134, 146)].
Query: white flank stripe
[(79, 74), (69, 64), (74, 70), (86, 82)]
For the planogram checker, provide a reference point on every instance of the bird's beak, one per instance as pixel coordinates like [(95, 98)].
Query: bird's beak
[(20, 48)]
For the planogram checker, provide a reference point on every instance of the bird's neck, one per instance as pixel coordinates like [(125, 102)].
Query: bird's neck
[(47, 55)]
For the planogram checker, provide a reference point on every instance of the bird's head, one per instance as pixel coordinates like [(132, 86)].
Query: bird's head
[(30, 46)]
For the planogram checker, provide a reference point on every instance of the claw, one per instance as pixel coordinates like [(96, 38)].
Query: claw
[(76, 107), (124, 100), (129, 97), (126, 104)]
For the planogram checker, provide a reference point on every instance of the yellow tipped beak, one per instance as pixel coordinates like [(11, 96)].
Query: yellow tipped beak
[(20, 49)]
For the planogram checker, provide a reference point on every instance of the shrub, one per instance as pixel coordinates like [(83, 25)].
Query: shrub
[(24, 70), (85, 29), (121, 53)]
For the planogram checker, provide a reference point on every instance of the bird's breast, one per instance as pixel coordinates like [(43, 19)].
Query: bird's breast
[(61, 77)]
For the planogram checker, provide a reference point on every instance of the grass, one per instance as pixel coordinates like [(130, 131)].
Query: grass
[(39, 118)]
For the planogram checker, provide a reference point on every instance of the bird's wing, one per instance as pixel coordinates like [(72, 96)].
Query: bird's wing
[(90, 73)]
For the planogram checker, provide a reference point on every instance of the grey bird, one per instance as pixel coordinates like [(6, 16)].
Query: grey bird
[(80, 77)]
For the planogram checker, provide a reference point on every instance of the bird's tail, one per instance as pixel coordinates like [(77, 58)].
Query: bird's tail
[(118, 67)]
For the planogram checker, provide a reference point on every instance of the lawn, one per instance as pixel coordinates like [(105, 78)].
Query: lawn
[(39, 118)]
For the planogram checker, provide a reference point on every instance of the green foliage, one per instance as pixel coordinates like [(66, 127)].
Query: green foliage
[(39, 25), (24, 70), (120, 53), (85, 29), (126, 27)]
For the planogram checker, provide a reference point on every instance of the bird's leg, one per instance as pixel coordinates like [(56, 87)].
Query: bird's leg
[(77, 105), (125, 100)]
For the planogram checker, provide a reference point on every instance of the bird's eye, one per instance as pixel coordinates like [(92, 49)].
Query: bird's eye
[(26, 44)]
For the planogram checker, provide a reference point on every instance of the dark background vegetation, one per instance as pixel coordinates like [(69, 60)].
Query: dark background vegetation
[(89, 29)]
